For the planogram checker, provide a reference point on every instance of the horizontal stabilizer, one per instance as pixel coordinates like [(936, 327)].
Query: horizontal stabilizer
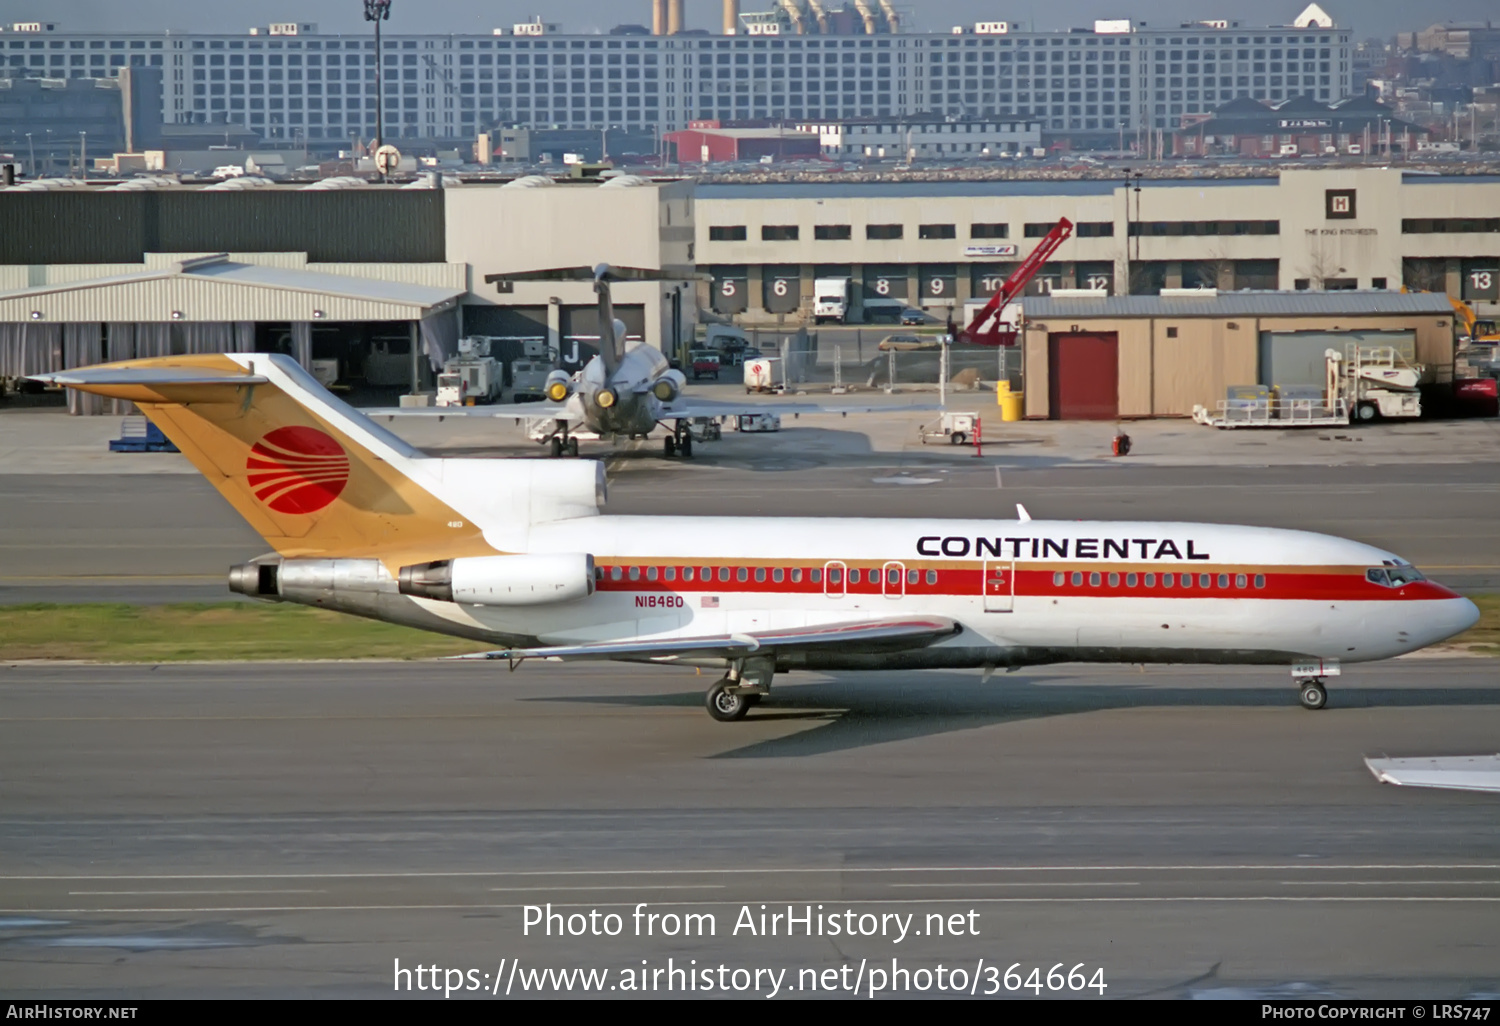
[(1459, 773), (106, 377), (898, 633)]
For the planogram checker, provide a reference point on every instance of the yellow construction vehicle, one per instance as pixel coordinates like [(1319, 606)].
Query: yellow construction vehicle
[(1475, 330)]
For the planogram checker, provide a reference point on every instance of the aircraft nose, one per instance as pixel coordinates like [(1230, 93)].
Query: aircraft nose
[(1454, 616)]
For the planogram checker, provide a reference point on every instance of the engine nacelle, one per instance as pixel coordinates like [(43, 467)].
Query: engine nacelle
[(559, 386), (524, 580), (669, 386), (310, 580)]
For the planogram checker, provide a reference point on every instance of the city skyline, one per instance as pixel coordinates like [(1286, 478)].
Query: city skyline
[(1366, 18)]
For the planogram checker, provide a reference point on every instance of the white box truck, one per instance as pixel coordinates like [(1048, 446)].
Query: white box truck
[(832, 299)]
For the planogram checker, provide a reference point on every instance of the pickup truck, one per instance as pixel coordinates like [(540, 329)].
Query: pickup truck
[(705, 364)]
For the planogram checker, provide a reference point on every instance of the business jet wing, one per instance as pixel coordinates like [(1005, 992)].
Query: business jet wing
[(890, 634), (520, 411), (690, 407), (1459, 773)]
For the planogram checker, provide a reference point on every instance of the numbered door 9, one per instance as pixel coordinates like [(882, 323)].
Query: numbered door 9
[(939, 282)]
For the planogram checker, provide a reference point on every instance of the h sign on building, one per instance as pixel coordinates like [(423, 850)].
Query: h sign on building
[(1339, 204)]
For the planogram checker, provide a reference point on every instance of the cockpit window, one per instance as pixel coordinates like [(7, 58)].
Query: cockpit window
[(1394, 576)]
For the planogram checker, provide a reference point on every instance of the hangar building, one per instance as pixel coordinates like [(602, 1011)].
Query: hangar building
[(1102, 358), (382, 278)]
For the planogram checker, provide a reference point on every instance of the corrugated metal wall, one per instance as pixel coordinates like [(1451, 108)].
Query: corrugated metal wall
[(354, 226)]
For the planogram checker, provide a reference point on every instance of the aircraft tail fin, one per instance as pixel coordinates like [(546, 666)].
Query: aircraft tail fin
[(312, 475)]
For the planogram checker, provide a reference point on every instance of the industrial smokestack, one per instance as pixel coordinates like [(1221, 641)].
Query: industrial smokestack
[(892, 19), (731, 17), (867, 15), (658, 17), (674, 17)]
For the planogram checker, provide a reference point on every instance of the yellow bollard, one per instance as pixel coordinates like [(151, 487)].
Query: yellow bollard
[(1012, 406), (1002, 389)]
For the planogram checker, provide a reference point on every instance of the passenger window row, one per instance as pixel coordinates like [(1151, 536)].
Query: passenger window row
[(1185, 581), (761, 574)]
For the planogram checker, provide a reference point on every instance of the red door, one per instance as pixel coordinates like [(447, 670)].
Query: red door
[(1084, 376)]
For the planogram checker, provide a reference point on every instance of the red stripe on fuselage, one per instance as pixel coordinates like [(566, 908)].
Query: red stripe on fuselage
[(966, 581)]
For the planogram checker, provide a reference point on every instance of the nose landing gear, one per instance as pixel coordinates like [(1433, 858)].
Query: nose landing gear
[(1308, 678), (1312, 694)]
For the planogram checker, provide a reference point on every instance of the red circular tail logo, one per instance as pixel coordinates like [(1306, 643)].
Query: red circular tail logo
[(297, 470)]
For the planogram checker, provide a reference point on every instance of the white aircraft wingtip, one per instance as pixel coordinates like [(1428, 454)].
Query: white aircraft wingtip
[(1021, 513), (1460, 773)]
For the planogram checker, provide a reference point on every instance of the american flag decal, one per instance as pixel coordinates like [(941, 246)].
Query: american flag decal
[(710, 602)]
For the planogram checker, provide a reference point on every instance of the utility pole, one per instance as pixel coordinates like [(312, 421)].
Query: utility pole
[(83, 156), (378, 11), (30, 145)]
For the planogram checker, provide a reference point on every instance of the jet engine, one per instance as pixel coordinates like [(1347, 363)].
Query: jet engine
[(523, 580), (606, 397), (559, 386), (669, 386)]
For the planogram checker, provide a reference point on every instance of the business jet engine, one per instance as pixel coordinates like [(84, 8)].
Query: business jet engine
[(559, 386), (522, 580), (669, 386)]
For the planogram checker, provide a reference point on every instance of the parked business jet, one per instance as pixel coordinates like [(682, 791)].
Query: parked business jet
[(625, 391), (517, 554)]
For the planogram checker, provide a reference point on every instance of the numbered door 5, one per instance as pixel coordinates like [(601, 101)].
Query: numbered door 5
[(999, 586)]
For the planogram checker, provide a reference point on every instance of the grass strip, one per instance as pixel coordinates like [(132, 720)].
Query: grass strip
[(236, 631), (117, 632)]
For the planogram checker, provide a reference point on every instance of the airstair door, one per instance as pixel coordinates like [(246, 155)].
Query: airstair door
[(999, 586)]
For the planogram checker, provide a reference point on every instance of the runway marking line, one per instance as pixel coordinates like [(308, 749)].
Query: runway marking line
[(603, 887), (143, 894), (419, 874)]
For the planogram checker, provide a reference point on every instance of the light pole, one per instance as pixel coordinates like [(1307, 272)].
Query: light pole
[(32, 147), (378, 11)]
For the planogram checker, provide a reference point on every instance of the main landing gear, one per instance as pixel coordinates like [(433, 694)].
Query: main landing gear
[(560, 443), (679, 442), (748, 681)]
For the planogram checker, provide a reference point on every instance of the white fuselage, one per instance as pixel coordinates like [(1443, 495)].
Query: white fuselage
[(1024, 591)]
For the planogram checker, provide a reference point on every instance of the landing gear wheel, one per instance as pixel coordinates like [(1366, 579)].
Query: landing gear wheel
[(1313, 695), (557, 447), (571, 447), (685, 447), (669, 446), (724, 705)]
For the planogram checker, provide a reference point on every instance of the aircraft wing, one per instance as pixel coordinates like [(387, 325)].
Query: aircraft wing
[(893, 633), (521, 411), (686, 408), (1459, 773)]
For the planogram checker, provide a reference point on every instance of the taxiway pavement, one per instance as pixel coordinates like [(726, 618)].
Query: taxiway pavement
[(292, 829)]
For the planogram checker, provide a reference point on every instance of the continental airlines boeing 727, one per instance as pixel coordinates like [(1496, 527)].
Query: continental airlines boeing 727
[(517, 554)]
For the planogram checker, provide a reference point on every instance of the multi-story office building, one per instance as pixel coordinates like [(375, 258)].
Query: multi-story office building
[(1117, 79)]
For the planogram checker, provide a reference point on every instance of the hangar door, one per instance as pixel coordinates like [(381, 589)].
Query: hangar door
[(1297, 357), (1083, 379)]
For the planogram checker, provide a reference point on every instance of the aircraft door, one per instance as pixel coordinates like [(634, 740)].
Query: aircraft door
[(834, 575), (999, 586), (893, 580)]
